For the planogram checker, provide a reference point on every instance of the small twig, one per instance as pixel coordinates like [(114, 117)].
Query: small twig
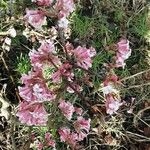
[(62, 39), (138, 114), (132, 76), (137, 135), (12, 133), (4, 33), (137, 86)]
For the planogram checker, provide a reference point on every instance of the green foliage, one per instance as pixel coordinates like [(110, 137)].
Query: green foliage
[(3, 4), (138, 25), (23, 64), (119, 15), (82, 25)]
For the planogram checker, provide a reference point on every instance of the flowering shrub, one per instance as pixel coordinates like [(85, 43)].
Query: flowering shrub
[(64, 60)]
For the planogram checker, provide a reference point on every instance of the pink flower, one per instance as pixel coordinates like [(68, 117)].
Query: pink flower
[(39, 145), (68, 137), (36, 18), (67, 109), (69, 48), (112, 104), (78, 110), (48, 140), (26, 93), (109, 84), (43, 2), (123, 52), (83, 56), (42, 93), (111, 79), (44, 55), (64, 7), (92, 52), (33, 77), (63, 71), (123, 47), (82, 127), (32, 114), (37, 92), (120, 61), (35, 88)]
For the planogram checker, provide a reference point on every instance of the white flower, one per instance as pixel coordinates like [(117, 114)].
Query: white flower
[(109, 89), (12, 32), (63, 23), (7, 41)]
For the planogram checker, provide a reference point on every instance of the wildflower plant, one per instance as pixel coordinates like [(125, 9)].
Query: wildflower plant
[(63, 59)]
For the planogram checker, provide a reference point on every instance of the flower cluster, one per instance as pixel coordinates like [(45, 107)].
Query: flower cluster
[(35, 88), (32, 114), (36, 18), (82, 55), (111, 94), (47, 142), (63, 62), (44, 56), (36, 91), (61, 10), (81, 125)]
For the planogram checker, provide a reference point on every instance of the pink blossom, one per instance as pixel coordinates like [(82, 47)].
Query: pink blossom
[(48, 140), (26, 93), (35, 88), (36, 18), (82, 126), (92, 52), (42, 93), (112, 104), (37, 92), (30, 79), (64, 7), (83, 56), (68, 137), (123, 52), (43, 2), (109, 84), (111, 79), (32, 114), (120, 61), (34, 76), (69, 48), (63, 71), (39, 145), (78, 110), (44, 55), (67, 109), (123, 47)]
